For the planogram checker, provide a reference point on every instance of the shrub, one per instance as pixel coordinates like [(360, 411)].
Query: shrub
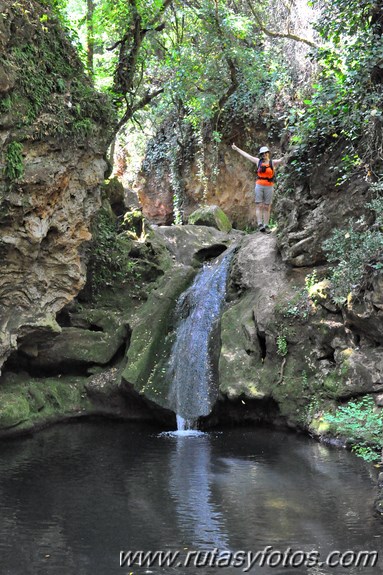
[(356, 254), (282, 347), (361, 423)]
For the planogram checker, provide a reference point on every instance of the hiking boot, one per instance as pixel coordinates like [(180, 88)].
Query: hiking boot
[(261, 228), (267, 230)]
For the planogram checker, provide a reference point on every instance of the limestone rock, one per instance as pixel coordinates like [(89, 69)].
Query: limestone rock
[(52, 188), (29, 403), (366, 315), (361, 371), (77, 347), (211, 216), (241, 355), (150, 338), (249, 363), (268, 353), (312, 210), (228, 180), (191, 245)]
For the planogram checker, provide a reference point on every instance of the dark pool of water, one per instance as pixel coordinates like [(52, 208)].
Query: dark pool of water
[(74, 496)]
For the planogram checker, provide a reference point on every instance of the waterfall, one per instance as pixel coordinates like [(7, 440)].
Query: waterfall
[(191, 366)]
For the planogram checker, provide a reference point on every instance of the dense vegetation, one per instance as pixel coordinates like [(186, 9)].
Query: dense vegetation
[(198, 59), (310, 73), (320, 61)]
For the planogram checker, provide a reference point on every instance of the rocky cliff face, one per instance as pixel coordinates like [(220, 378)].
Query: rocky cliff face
[(279, 342), (54, 130), (310, 208), (219, 177)]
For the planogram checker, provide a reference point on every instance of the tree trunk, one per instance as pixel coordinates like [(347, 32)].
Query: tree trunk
[(90, 36)]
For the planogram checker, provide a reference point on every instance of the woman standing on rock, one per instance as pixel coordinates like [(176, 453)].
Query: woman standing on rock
[(264, 185)]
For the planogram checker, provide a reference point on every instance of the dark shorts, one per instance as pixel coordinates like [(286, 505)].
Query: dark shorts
[(263, 194)]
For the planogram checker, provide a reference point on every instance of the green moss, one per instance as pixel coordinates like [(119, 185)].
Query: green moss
[(152, 337), (52, 92), (14, 163), (14, 410), (334, 382), (241, 370), (6, 104), (26, 402)]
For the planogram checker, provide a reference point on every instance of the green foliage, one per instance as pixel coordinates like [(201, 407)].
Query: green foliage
[(302, 304), (110, 262), (361, 423), (310, 281), (14, 164), (6, 104), (299, 306), (345, 99), (282, 347), (357, 251), (57, 5)]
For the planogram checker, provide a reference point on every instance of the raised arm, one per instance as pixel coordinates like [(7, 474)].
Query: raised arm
[(245, 154), (280, 161), (284, 159)]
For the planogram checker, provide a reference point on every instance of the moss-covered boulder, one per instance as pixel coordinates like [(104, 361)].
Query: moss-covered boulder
[(240, 361), (152, 335), (28, 403), (212, 216), (94, 338), (192, 245)]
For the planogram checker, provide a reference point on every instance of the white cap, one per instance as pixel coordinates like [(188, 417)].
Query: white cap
[(264, 149)]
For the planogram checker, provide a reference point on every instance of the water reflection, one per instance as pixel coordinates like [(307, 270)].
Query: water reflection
[(72, 497), (190, 485)]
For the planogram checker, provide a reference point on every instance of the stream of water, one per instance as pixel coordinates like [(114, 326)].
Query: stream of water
[(74, 496), (191, 365)]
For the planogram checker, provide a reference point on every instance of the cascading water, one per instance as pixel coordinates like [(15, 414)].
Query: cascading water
[(191, 367)]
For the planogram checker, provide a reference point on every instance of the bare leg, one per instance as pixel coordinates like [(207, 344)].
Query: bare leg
[(259, 212), (266, 213)]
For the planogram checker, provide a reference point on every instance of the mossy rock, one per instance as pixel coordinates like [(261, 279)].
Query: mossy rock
[(43, 68), (151, 337), (240, 358), (14, 410), (114, 191), (95, 339), (26, 403), (211, 216)]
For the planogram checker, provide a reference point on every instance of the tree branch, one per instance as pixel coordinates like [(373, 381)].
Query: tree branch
[(132, 109), (272, 34)]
